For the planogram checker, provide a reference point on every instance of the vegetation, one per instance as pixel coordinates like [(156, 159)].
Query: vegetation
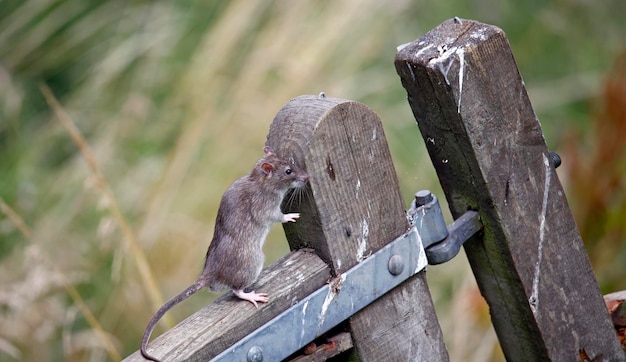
[(122, 122)]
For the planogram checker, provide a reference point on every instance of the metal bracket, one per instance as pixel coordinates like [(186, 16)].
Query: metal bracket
[(428, 241), (425, 214)]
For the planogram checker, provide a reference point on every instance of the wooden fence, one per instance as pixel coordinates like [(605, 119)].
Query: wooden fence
[(486, 143)]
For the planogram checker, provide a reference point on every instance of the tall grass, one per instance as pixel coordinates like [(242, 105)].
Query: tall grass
[(169, 102), (77, 300)]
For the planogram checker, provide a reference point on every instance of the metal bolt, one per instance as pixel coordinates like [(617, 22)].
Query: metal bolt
[(396, 264), (423, 197), (556, 159), (255, 354)]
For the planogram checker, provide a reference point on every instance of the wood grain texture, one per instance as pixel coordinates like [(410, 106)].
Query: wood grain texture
[(353, 209), (219, 325), (489, 152)]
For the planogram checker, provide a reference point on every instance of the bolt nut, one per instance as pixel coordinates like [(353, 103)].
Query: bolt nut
[(423, 197), (396, 265), (255, 354), (555, 158)]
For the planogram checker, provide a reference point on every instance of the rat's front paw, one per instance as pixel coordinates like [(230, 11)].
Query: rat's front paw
[(290, 217)]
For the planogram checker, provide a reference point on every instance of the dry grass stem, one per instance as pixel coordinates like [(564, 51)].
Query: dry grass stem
[(130, 240), (15, 219)]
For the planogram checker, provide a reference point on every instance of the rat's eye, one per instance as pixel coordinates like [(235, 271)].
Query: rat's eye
[(288, 171)]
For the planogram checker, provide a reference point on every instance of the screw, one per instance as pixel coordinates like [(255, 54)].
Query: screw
[(255, 354), (423, 197), (396, 265), (556, 159)]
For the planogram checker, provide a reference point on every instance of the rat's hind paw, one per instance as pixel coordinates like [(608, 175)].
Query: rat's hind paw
[(252, 297)]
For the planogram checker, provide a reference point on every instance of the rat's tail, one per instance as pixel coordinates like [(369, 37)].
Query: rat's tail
[(201, 283)]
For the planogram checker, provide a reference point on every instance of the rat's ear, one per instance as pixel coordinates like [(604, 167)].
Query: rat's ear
[(267, 167), (268, 150)]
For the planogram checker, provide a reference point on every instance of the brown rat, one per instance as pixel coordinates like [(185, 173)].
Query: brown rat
[(235, 257)]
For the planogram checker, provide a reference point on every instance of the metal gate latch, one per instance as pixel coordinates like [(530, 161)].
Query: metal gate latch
[(441, 242)]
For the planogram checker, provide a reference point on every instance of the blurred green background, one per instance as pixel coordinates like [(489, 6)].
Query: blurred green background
[(175, 98)]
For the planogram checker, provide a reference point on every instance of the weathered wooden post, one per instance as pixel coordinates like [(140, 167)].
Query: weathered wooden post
[(486, 143), (355, 209)]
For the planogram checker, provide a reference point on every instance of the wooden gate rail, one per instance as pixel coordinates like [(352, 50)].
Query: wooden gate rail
[(220, 324)]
